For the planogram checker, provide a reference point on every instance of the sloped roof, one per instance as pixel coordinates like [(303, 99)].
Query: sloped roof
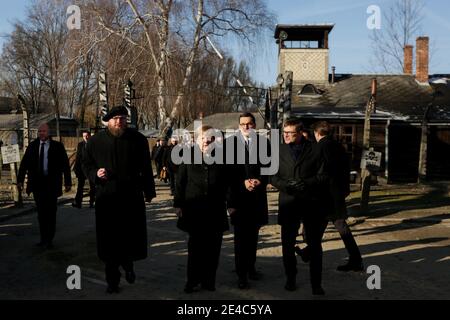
[(11, 105), (11, 121), (15, 121), (7, 105), (398, 96), (303, 30)]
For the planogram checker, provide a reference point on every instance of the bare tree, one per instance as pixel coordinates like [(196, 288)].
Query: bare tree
[(192, 22), (18, 73), (218, 19), (159, 44), (401, 23), (47, 36)]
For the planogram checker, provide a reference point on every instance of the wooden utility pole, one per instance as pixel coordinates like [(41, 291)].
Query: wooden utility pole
[(422, 170), (16, 193), (26, 126), (365, 173)]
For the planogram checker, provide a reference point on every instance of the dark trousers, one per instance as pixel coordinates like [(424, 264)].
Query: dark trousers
[(314, 229), (245, 247), (203, 257), (348, 239), (46, 203), (80, 187), (112, 270), (288, 240), (171, 179), (159, 167)]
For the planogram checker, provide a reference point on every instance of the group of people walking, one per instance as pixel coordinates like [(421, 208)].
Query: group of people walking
[(312, 181)]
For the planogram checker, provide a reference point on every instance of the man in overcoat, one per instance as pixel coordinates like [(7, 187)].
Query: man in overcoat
[(45, 162), (118, 161), (247, 204), (337, 188), (78, 169), (299, 181)]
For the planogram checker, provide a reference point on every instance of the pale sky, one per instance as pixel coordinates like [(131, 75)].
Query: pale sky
[(349, 41)]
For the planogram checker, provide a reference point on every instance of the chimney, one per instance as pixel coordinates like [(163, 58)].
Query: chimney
[(408, 60), (422, 59)]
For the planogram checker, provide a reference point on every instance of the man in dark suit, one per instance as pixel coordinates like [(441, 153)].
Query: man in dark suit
[(299, 181), (337, 166), (247, 205), (45, 162), (81, 150)]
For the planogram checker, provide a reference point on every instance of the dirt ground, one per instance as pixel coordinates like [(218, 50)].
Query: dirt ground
[(406, 234)]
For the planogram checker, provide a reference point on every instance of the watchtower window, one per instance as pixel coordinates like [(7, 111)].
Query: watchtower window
[(300, 44)]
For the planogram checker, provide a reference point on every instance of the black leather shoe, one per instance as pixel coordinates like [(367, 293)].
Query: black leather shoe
[(208, 287), (318, 291), (112, 289), (290, 284), (188, 289), (351, 266), (49, 246), (130, 276), (243, 284)]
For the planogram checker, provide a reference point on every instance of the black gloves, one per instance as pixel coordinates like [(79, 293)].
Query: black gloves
[(294, 187)]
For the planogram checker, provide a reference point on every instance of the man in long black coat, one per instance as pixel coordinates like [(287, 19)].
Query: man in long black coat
[(45, 162), (299, 181), (168, 164), (118, 161), (78, 169), (337, 189), (248, 199)]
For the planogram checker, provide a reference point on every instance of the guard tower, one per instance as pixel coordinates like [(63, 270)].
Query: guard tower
[(303, 49)]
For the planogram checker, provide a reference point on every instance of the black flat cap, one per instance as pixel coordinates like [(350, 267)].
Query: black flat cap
[(115, 111)]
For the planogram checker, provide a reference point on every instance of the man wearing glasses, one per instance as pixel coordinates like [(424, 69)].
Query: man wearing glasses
[(299, 179), (247, 205), (118, 161)]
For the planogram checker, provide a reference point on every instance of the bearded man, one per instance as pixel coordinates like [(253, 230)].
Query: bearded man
[(118, 161)]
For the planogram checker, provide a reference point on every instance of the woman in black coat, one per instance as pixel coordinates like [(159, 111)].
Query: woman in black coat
[(200, 203)]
